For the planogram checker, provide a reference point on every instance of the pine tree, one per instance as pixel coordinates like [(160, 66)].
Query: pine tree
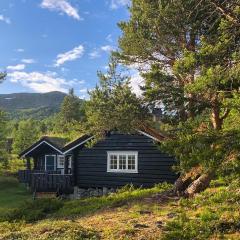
[(113, 105), (71, 112), (25, 135)]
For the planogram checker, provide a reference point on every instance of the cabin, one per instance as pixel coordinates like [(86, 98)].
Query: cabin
[(117, 160)]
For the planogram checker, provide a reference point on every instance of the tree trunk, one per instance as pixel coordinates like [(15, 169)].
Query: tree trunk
[(217, 121), (199, 185), (181, 185)]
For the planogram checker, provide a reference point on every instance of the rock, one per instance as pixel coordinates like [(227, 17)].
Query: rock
[(171, 215), (159, 224), (139, 225), (145, 212)]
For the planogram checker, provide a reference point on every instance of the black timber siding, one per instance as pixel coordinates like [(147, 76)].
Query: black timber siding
[(154, 166)]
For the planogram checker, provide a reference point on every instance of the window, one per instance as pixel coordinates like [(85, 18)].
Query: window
[(61, 161), (119, 161), (50, 162)]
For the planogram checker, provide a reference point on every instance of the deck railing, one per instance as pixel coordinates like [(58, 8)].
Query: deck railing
[(45, 182), (42, 181)]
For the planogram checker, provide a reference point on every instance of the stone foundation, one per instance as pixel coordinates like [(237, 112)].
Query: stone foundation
[(91, 192)]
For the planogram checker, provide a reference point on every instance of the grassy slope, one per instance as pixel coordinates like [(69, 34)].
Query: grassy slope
[(12, 194), (139, 214)]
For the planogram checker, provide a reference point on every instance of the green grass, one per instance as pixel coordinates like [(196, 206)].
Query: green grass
[(123, 196), (212, 214), (12, 194)]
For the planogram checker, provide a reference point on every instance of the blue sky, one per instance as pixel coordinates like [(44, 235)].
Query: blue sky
[(53, 45)]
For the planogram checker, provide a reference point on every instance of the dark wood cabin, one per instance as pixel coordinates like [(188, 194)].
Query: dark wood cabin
[(52, 169), (122, 159), (117, 160)]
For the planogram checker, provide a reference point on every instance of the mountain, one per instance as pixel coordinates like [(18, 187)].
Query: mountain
[(31, 105)]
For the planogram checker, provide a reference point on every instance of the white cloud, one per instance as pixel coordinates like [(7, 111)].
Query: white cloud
[(84, 90), (136, 81), (94, 54), (17, 67), (107, 48), (115, 4), (28, 60), (71, 55), (109, 38), (20, 50), (62, 6), (40, 82), (5, 19)]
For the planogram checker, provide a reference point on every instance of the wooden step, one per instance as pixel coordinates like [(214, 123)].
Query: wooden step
[(45, 195)]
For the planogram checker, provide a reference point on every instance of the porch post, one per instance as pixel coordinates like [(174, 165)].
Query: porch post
[(28, 163), (66, 164)]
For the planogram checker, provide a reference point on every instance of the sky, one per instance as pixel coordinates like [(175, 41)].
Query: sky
[(55, 45)]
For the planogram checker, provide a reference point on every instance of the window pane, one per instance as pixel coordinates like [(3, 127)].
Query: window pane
[(131, 162), (113, 161), (61, 161), (50, 162), (122, 162)]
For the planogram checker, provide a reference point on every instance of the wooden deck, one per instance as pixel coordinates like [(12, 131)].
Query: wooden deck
[(40, 181)]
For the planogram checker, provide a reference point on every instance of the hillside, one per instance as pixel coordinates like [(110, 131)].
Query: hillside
[(128, 214), (31, 105)]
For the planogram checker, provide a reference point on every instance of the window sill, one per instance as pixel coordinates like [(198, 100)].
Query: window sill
[(119, 171)]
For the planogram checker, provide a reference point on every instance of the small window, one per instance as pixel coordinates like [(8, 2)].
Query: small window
[(119, 161), (50, 162), (61, 161)]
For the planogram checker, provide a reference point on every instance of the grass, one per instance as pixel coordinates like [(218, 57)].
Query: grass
[(123, 196), (12, 194), (132, 214)]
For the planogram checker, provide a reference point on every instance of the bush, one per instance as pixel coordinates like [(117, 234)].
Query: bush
[(34, 210)]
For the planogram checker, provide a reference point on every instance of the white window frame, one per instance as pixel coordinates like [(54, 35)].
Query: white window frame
[(58, 158), (53, 155), (117, 153)]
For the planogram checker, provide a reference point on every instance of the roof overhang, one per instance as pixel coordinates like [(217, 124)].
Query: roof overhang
[(35, 146)]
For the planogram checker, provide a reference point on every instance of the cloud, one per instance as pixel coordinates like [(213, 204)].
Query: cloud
[(115, 4), (109, 38), (107, 48), (5, 19), (94, 54), (62, 6), (19, 50), (28, 60), (136, 81), (71, 55), (40, 82), (84, 90), (17, 67)]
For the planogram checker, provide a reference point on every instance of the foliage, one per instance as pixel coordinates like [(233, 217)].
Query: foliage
[(113, 106), (3, 124), (123, 196), (33, 210), (191, 50), (71, 113), (12, 194), (195, 144), (38, 209), (2, 76), (47, 230), (12, 165), (211, 214), (27, 133)]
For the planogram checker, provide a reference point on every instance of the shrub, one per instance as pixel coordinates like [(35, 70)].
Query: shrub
[(34, 210)]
